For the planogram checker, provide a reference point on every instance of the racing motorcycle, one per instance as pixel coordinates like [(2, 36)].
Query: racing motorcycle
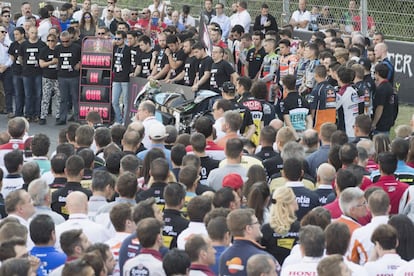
[(172, 108)]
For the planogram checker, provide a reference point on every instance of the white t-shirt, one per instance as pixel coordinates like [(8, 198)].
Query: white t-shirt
[(349, 101), (241, 18), (78, 15), (386, 265), (218, 126), (144, 264), (361, 239), (356, 270), (94, 231), (43, 29), (302, 16), (307, 266), (193, 228), (407, 269)]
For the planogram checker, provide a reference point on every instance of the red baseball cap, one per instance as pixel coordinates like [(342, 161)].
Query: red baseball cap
[(233, 180)]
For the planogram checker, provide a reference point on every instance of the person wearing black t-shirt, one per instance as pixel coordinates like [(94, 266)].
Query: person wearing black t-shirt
[(121, 69), (32, 74), (295, 109), (68, 55), (202, 81), (255, 55), (188, 75), (132, 39), (50, 83), (143, 68), (160, 66), (176, 57), (174, 221), (74, 173), (383, 106), (19, 36), (221, 70), (247, 127), (293, 171)]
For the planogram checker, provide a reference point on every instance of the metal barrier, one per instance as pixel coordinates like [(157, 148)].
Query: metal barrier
[(392, 18)]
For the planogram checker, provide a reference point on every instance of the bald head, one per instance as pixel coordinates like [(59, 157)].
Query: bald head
[(310, 138), (276, 124), (326, 174), (77, 202), (381, 50)]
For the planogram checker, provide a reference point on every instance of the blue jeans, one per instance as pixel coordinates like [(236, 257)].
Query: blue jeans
[(33, 94), (19, 94), (119, 88), (7, 78), (69, 89)]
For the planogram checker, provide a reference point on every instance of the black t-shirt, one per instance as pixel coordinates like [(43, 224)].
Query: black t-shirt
[(68, 57), (280, 244), (135, 51), (174, 224), (207, 165), (47, 54), (273, 165), (220, 73), (122, 64), (156, 191), (14, 51), (30, 53), (255, 60), (269, 112), (204, 66), (247, 119), (323, 195), (190, 69), (307, 200), (59, 197), (266, 153), (144, 60), (161, 60), (256, 109), (384, 96), (297, 108), (370, 84), (178, 56)]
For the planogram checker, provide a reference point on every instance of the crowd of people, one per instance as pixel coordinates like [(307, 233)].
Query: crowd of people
[(293, 172)]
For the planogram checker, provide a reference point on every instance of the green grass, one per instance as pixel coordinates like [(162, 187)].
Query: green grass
[(404, 116)]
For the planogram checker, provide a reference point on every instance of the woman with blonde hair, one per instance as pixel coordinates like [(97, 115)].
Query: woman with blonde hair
[(282, 231)]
